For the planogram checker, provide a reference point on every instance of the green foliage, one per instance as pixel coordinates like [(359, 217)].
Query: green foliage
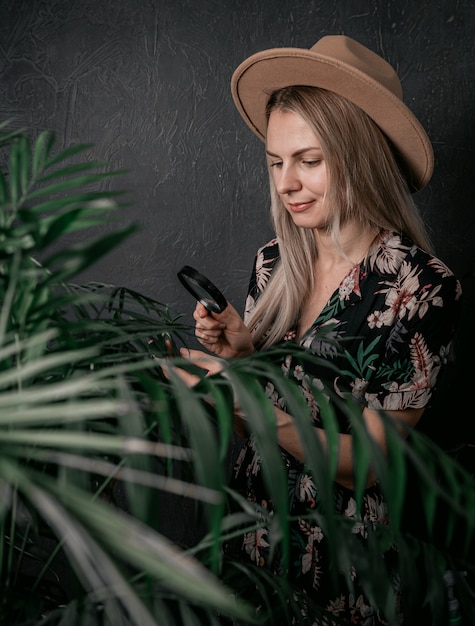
[(85, 411), (84, 405)]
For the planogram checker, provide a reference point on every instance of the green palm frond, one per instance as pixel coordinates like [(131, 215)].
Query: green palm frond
[(77, 411)]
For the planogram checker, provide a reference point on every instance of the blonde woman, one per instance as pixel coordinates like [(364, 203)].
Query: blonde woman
[(351, 261)]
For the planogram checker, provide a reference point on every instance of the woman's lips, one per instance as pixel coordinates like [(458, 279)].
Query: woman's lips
[(298, 207)]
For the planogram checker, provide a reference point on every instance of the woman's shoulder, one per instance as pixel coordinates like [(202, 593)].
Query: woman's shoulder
[(399, 261), (394, 252)]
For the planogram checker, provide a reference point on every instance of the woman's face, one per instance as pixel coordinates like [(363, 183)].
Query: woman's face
[(298, 168)]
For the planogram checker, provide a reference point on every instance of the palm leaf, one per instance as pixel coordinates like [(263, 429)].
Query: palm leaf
[(125, 537)]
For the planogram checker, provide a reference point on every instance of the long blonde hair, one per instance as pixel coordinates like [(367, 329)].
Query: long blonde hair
[(367, 184)]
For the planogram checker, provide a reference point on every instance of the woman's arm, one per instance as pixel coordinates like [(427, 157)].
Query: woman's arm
[(288, 438), (287, 433)]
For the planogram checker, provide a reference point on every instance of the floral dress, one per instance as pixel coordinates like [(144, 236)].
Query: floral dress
[(398, 308)]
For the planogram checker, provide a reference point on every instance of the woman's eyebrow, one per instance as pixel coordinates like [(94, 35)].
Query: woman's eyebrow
[(297, 153)]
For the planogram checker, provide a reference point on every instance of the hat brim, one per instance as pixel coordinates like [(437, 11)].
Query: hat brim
[(264, 72)]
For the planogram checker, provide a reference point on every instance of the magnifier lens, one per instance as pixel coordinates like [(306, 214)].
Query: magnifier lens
[(201, 294), (202, 289)]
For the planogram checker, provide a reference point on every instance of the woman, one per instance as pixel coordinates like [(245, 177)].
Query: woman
[(352, 258)]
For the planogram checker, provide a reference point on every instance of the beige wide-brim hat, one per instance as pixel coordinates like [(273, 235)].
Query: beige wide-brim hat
[(346, 67)]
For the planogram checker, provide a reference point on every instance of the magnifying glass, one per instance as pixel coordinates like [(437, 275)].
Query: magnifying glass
[(202, 289)]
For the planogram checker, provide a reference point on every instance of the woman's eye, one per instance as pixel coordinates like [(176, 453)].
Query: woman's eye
[(275, 164), (312, 163)]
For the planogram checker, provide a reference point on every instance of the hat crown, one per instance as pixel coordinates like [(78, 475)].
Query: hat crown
[(349, 51)]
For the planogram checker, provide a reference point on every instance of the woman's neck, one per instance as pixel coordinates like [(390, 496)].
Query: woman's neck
[(353, 245)]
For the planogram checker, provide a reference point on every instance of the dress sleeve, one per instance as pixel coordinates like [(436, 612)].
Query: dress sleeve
[(422, 310), (251, 294), (264, 262)]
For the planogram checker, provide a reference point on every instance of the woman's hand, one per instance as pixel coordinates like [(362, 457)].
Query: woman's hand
[(224, 334), (210, 364)]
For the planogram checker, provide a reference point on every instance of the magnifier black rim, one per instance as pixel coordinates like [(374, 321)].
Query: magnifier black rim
[(205, 284)]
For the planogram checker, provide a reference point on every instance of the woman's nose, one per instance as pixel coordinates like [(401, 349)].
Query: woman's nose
[(287, 181)]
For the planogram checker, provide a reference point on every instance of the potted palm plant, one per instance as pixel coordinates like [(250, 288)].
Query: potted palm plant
[(94, 439)]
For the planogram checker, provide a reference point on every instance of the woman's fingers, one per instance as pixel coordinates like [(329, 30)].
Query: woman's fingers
[(198, 358), (202, 360), (201, 311), (207, 329), (208, 322), (212, 332), (190, 380), (208, 336)]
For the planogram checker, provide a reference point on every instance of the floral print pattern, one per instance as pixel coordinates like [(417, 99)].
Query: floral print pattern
[(393, 318)]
